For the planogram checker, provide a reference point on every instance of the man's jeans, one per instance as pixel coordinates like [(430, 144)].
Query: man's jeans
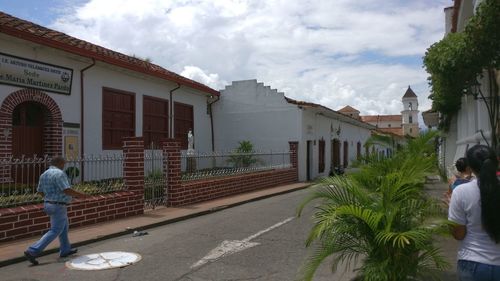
[(58, 227), (475, 271)]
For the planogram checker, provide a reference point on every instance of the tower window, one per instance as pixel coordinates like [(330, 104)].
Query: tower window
[(389, 125), (410, 106), (411, 119), (411, 130)]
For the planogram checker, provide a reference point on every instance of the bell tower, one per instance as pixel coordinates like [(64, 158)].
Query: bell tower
[(410, 113)]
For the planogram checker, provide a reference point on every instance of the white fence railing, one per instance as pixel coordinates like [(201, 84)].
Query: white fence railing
[(215, 164)]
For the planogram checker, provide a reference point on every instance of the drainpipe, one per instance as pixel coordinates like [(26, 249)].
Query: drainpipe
[(171, 119), (212, 121), (82, 119)]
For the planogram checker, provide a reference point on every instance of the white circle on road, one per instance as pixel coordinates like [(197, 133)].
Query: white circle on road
[(102, 261)]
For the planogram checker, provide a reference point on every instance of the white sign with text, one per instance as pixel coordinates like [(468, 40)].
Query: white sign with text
[(32, 74)]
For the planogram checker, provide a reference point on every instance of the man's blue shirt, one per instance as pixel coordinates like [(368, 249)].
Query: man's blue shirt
[(52, 183)]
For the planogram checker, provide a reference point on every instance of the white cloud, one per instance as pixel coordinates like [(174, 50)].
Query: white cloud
[(330, 52), (197, 74)]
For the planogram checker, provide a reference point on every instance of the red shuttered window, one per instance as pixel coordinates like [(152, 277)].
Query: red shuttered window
[(118, 117), (155, 120), (183, 122), (321, 156)]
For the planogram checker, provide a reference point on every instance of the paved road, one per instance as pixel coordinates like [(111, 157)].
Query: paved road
[(169, 252), (183, 251)]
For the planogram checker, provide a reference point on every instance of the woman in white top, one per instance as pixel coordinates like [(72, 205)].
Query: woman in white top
[(475, 209)]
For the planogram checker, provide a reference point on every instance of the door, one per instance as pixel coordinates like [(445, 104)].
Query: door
[(335, 154), (27, 130), (309, 160), (183, 122), (27, 140), (346, 154)]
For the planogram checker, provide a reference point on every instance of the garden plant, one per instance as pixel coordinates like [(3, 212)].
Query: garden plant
[(379, 220)]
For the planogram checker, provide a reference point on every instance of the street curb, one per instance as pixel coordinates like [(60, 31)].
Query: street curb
[(157, 224)]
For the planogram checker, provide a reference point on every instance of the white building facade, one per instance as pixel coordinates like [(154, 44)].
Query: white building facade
[(471, 124), (60, 95), (250, 111)]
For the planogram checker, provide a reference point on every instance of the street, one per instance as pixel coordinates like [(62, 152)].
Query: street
[(263, 241)]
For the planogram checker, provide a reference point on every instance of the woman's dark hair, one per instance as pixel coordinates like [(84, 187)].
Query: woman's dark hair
[(461, 164), (483, 162)]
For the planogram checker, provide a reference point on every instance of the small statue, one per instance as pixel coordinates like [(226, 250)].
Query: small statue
[(190, 149)]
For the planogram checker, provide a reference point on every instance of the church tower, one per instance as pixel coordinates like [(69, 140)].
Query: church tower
[(410, 113)]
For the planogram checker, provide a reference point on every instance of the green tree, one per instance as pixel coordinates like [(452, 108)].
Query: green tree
[(459, 62)]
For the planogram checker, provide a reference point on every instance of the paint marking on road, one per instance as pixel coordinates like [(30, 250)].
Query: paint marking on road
[(229, 247)]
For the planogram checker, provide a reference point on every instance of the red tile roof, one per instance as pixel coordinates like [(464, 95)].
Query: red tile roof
[(381, 118), (44, 36), (347, 109), (315, 105), (409, 93), (394, 131)]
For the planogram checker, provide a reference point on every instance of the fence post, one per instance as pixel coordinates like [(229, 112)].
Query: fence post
[(172, 169), (133, 169), (294, 147)]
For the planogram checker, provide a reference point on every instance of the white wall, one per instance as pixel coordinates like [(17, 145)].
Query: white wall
[(101, 76), (68, 104), (471, 124), (248, 110), (320, 124), (104, 75)]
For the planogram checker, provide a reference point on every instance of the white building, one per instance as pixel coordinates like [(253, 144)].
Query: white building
[(470, 125), (248, 110), (60, 95), (402, 124)]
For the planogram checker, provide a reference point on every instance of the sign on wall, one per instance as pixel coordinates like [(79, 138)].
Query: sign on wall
[(33, 74), (71, 133)]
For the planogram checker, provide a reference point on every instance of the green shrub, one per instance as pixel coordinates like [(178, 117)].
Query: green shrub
[(243, 156), (380, 215)]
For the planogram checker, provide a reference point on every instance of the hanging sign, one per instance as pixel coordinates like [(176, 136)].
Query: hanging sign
[(33, 74)]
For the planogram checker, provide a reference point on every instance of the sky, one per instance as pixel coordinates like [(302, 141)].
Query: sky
[(362, 53)]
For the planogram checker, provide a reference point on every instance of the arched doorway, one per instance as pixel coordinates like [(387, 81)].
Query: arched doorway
[(30, 123), (28, 120)]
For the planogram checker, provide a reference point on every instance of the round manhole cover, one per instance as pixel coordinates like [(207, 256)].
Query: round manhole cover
[(105, 260)]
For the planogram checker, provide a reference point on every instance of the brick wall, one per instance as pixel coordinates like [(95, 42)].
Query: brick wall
[(188, 192), (30, 220), (202, 190), (52, 128)]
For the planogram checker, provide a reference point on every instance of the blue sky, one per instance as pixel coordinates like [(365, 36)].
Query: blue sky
[(334, 52)]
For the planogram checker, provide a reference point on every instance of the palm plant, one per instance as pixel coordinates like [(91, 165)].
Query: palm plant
[(243, 156), (383, 219)]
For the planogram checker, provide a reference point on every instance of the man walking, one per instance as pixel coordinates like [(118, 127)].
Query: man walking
[(54, 187)]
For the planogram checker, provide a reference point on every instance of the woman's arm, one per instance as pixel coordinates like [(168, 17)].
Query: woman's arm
[(458, 231)]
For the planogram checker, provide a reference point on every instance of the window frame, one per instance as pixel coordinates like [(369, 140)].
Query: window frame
[(184, 141), (321, 155), (146, 97), (106, 146)]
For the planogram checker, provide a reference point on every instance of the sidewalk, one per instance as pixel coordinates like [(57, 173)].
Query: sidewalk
[(449, 246), (12, 252)]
